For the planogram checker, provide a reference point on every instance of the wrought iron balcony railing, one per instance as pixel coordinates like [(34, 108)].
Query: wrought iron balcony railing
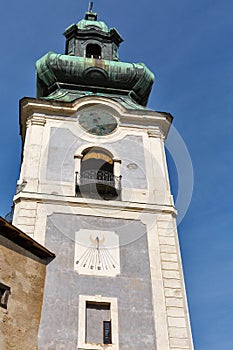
[(97, 181)]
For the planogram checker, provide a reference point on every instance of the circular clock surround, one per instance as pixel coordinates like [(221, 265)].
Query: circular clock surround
[(97, 121)]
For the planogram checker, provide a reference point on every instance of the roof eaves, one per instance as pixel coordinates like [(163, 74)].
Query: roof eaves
[(20, 238)]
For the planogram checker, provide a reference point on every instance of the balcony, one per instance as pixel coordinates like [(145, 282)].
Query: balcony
[(99, 184)]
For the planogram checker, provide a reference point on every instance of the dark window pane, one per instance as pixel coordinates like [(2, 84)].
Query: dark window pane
[(107, 332), (4, 295)]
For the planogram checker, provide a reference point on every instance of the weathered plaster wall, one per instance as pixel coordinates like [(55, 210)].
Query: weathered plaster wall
[(25, 275), (132, 288)]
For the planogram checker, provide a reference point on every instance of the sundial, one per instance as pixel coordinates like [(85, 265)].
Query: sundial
[(97, 256), (97, 253)]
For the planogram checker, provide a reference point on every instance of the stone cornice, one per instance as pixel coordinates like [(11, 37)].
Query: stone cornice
[(68, 110), (111, 206)]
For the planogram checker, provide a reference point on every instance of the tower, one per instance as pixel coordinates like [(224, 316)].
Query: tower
[(94, 189)]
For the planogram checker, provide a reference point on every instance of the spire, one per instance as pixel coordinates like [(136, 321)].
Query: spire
[(90, 15), (91, 3)]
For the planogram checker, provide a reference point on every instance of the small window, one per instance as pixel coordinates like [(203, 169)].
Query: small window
[(4, 295), (98, 324), (93, 51)]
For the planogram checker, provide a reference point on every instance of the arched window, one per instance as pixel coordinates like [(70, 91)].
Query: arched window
[(98, 175), (93, 51)]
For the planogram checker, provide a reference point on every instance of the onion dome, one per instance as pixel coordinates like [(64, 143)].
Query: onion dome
[(91, 65)]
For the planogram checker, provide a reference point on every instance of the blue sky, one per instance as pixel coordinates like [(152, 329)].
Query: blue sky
[(188, 45)]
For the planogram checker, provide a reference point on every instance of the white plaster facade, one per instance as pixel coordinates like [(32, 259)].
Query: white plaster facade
[(152, 205)]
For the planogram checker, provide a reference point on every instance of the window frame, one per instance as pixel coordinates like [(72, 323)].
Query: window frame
[(92, 53), (107, 339), (83, 300), (5, 292)]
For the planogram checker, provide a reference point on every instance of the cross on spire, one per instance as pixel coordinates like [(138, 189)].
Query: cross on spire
[(91, 3)]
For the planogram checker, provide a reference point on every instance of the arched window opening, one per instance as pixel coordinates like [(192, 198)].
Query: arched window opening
[(93, 51), (97, 176)]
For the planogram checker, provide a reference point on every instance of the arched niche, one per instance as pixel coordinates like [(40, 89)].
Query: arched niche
[(97, 174), (93, 51)]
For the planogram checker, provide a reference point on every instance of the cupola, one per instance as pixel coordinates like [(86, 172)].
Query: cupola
[(91, 65), (91, 38)]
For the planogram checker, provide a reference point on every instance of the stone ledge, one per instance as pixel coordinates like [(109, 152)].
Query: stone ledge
[(73, 202)]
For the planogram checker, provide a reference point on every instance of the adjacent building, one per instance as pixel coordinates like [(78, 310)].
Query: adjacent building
[(22, 276)]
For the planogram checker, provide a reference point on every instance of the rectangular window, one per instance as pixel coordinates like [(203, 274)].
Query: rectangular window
[(4, 295), (98, 324)]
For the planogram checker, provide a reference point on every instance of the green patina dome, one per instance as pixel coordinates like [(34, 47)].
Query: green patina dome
[(91, 65), (97, 75), (85, 24)]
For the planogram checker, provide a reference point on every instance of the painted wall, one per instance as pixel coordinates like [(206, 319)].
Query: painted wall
[(63, 145), (132, 287)]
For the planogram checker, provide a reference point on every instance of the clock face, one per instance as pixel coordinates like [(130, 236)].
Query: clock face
[(97, 122)]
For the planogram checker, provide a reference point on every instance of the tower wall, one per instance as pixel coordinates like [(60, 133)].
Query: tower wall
[(121, 255)]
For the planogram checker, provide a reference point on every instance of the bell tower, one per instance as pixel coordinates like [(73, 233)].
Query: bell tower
[(94, 189)]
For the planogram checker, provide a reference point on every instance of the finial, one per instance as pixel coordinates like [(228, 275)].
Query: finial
[(90, 15), (91, 3)]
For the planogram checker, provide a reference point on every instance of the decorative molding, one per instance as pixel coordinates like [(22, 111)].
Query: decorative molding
[(156, 133), (92, 204), (39, 120)]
